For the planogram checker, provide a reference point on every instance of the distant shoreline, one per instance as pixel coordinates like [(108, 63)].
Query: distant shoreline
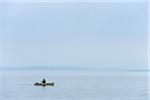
[(71, 69)]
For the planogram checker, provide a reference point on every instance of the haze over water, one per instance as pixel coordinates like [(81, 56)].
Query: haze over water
[(91, 50)]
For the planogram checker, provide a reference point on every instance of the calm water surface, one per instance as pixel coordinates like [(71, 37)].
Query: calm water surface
[(74, 85)]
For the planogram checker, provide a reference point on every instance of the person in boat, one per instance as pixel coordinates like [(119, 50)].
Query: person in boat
[(44, 81)]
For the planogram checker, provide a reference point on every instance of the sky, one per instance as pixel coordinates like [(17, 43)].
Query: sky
[(75, 34)]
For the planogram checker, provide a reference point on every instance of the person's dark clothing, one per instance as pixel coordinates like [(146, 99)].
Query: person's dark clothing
[(44, 81)]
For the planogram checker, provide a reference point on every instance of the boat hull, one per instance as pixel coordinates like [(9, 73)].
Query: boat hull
[(44, 84)]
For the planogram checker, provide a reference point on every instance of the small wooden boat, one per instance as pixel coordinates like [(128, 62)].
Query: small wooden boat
[(44, 84)]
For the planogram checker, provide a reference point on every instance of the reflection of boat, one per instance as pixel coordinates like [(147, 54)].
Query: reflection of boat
[(44, 84)]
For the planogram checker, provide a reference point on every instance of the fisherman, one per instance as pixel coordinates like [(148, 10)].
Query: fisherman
[(44, 81)]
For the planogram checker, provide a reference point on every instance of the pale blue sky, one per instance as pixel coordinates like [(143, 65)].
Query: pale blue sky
[(102, 34)]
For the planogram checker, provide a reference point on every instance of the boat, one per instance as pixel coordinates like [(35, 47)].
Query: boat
[(44, 84)]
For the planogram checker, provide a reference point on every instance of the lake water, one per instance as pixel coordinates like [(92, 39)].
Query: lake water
[(74, 85)]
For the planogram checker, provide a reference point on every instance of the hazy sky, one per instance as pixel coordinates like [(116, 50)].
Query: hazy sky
[(100, 34)]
